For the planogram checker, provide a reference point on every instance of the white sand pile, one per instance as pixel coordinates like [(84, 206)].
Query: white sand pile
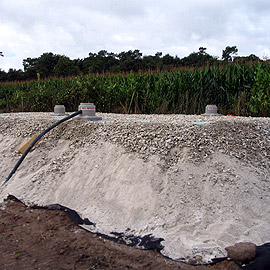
[(200, 187)]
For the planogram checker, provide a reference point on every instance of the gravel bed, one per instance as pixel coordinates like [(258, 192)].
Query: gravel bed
[(246, 138)]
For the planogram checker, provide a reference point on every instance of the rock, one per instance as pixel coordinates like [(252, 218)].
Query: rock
[(242, 252), (195, 260)]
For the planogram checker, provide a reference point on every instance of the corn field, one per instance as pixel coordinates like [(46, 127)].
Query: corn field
[(239, 89)]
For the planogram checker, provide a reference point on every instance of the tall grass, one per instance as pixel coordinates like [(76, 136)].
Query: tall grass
[(233, 88)]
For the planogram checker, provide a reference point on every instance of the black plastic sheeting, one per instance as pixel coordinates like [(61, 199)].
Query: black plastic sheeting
[(149, 242), (261, 261), (71, 213), (143, 242)]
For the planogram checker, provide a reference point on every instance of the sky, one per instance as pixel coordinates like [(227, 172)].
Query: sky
[(29, 28)]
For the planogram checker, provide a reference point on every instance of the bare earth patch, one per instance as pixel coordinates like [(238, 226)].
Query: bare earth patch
[(44, 239)]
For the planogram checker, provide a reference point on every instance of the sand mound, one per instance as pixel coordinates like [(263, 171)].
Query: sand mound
[(200, 187)]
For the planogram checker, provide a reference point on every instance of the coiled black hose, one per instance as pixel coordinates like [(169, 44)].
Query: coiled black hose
[(34, 142)]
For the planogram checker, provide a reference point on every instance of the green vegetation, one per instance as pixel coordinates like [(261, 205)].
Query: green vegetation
[(55, 65), (259, 103), (240, 89)]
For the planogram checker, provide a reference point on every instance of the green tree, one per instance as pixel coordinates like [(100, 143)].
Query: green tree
[(29, 63), (228, 52), (202, 50), (15, 75), (131, 60), (65, 67), (3, 76), (254, 57), (199, 58), (149, 62), (168, 60), (44, 65), (246, 59)]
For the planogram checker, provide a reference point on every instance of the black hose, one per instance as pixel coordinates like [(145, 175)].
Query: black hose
[(34, 142)]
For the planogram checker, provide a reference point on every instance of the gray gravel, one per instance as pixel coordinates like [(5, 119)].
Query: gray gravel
[(245, 138)]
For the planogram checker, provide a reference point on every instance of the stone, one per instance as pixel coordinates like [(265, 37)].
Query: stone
[(242, 252)]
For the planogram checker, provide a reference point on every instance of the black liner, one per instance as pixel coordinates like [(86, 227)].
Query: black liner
[(71, 213), (143, 242), (262, 259), (149, 242)]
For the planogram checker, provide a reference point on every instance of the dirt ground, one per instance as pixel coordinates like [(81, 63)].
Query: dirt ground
[(46, 239)]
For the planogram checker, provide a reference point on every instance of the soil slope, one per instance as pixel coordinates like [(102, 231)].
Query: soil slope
[(199, 183)]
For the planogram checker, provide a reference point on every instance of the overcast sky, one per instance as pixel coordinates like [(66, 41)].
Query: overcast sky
[(74, 28)]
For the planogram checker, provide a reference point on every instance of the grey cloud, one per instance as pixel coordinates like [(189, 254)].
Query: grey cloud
[(75, 28)]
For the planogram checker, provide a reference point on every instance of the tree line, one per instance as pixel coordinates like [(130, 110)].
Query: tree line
[(55, 65)]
